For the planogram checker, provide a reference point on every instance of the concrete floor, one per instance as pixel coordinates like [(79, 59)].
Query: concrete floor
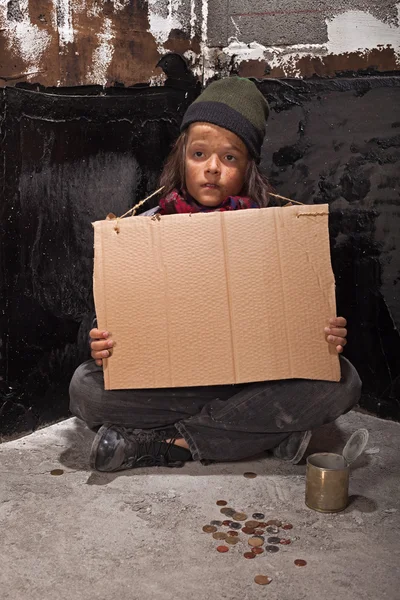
[(138, 534)]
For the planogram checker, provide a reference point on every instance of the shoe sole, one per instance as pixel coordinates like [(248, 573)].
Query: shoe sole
[(95, 445), (302, 448)]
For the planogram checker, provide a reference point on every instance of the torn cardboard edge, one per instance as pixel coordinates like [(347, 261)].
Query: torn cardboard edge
[(216, 298)]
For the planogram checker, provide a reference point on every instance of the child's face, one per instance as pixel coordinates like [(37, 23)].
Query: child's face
[(215, 164)]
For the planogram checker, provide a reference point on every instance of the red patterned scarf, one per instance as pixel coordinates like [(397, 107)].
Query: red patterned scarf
[(176, 203)]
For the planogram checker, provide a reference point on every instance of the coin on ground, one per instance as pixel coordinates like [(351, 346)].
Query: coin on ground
[(57, 472), (226, 523), (209, 528), (252, 524), (219, 535), (272, 529), (262, 579), (221, 503), (299, 562), (256, 541), (250, 475), (233, 533), (239, 516), (227, 511), (258, 550), (235, 525), (249, 555), (287, 526), (274, 540), (271, 549), (222, 549), (258, 531), (274, 522), (258, 516), (285, 541), (248, 530), (217, 523), (232, 540), (262, 525)]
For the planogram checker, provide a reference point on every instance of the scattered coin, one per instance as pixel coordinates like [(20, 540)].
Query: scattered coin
[(271, 549), (232, 540), (258, 531), (248, 530), (262, 525), (274, 522), (252, 524), (226, 523), (220, 535), (262, 579), (239, 516), (256, 541), (299, 562), (235, 525), (285, 541), (272, 529), (249, 555), (258, 516), (227, 511), (217, 523), (274, 540), (257, 550), (209, 528), (221, 503), (57, 472), (287, 526), (233, 533), (250, 475), (222, 549)]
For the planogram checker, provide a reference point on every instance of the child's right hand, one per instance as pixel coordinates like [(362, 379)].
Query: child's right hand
[(100, 345)]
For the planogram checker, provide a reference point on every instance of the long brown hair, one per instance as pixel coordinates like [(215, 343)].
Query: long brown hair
[(256, 186)]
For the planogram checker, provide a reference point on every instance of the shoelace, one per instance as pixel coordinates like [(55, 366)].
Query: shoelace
[(150, 447)]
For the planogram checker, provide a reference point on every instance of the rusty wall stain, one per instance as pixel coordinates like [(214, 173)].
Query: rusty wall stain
[(135, 51), (378, 60)]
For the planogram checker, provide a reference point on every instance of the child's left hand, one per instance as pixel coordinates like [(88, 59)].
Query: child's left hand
[(337, 332)]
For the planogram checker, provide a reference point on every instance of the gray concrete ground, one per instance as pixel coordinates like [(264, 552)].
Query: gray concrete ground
[(138, 534)]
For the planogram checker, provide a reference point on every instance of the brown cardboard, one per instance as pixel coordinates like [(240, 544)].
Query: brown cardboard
[(216, 298)]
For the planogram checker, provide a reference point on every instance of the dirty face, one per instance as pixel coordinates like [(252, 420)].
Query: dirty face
[(215, 164)]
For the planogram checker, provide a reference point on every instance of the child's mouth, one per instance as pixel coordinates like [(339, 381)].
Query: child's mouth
[(211, 186)]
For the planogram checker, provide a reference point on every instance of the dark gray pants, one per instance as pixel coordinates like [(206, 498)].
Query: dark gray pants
[(227, 422)]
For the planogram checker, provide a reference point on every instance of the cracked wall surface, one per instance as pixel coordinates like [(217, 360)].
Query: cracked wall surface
[(109, 42)]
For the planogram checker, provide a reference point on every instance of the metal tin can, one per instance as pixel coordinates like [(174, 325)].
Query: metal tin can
[(327, 482), (327, 475)]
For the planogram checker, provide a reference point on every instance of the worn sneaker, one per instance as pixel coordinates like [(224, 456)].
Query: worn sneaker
[(116, 448), (293, 447)]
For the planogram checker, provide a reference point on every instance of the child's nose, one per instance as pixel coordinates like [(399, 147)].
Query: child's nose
[(213, 165)]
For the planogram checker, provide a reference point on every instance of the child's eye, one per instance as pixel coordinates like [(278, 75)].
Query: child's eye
[(198, 154), (230, 158)]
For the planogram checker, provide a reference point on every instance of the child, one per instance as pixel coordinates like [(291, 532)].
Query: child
[(213, 166)]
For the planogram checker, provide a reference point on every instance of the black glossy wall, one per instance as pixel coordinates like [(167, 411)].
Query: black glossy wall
[(71, 156)]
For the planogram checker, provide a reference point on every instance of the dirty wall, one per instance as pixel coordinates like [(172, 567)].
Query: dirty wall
[(83, 42), (87, 118)]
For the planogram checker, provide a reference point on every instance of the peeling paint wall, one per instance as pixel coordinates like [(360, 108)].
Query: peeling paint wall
[(106, 42), (306, 38)]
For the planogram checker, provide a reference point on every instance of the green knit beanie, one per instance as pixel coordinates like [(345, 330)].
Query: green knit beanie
[(234, 103)]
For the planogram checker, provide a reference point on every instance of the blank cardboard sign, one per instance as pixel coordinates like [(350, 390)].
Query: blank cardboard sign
[(216, 298)]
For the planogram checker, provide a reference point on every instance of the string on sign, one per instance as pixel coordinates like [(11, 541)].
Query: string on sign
[(133, 210)]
